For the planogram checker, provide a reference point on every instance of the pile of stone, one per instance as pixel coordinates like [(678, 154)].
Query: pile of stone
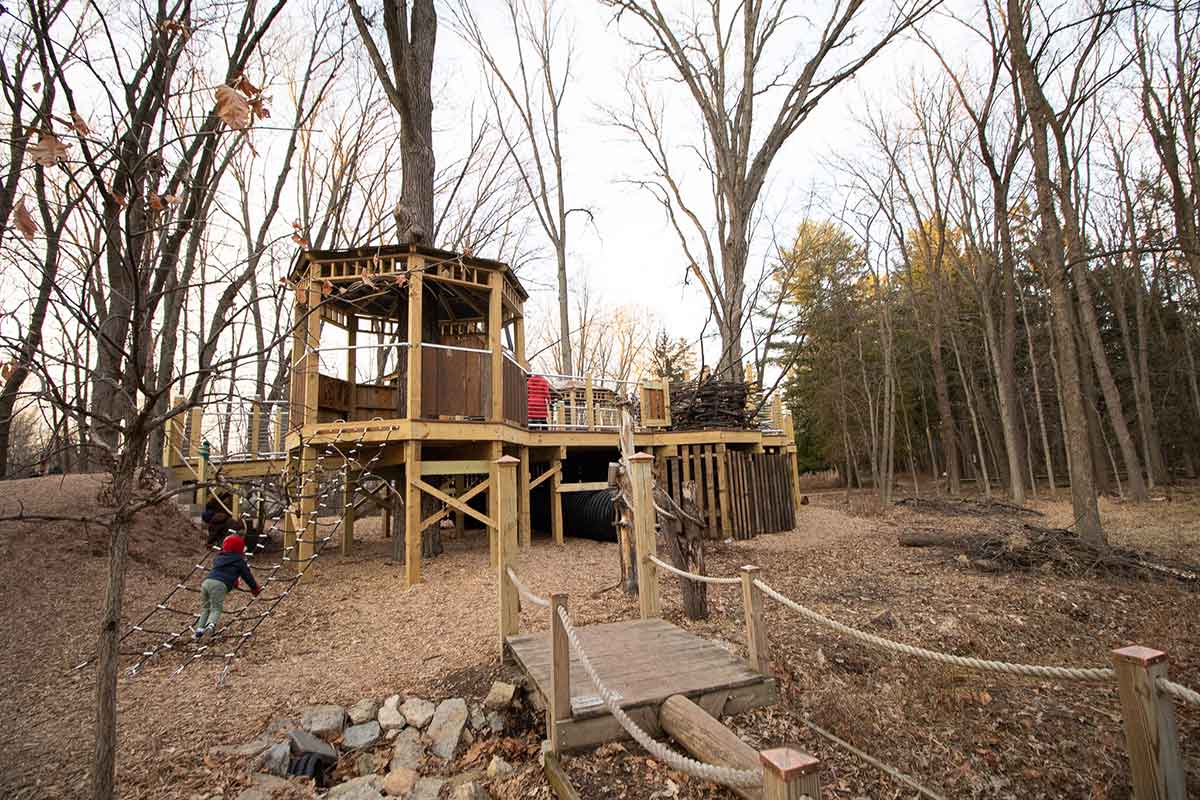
[(390, 748)]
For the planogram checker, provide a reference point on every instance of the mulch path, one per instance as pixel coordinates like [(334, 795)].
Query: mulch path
[(353, 631)]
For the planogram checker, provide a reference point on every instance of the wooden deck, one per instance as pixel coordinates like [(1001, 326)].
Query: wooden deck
[(645, 662)]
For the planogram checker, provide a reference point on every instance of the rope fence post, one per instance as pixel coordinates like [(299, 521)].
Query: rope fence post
[(756, 632), (1151, 736), (506, 547), (641, 476), (790, 775), (347, 544), (559, 708)]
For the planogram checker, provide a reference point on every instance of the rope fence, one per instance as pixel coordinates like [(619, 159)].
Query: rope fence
[(692, 576), (524, 590)]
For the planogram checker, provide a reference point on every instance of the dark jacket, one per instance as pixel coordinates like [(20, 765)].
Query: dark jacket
[(228, 567)]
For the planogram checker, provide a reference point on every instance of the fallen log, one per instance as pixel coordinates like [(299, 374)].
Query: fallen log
[(707, 739)]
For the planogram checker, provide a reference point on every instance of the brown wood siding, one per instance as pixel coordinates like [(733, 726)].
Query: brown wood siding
[(516, 401)]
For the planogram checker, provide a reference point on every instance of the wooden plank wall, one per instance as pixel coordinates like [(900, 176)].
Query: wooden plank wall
[(758, 492), (516, 404), (455, 383)]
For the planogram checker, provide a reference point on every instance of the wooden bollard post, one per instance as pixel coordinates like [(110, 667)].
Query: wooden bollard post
[(506, 547), (790, 775), (641, 468), (1151, 737), (756, 632), (560, 673)]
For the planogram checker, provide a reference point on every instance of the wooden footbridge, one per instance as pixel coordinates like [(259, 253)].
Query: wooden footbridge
[(644, 678)]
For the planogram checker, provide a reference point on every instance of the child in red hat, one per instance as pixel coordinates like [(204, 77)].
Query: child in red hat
[(228, 566)]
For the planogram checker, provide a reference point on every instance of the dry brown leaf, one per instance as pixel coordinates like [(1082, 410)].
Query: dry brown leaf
[(155, 202), (246, 87), (79, 125), (173, 26), (119, 199), (172, 199), (260, 110), (25, 223), (37, 87), (232, 108), (49, 150)]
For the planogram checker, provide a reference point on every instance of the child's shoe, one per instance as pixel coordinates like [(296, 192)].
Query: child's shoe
[(197, 634), (208, 631)]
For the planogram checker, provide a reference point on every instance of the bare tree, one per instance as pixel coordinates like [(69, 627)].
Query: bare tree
[(407, 81), (726, 74), (534, 89)]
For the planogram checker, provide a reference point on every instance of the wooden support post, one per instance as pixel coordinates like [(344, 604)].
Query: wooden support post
[(312, 359), (790, 775), (722, 468), (495, 451), (506, 547), (641, 469), (559, 708), (519, 342), (352, 365), (1151, 737), (412, 512), (307, 523), (524, 532), (416, 283), (495, 324), (235, 504), (707, 739), (589, 405), (556, 518), (201, 478), (666, 384), (756, 632), (347, 513)]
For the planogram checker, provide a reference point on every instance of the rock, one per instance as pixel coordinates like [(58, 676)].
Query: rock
[(365, 788), (304, 742), (418, 712), (470, 791), (408, 752), (500, 696), (478, 720), (276, 759), (367, 764), (251, 748), (446, 727), (364, 710), (499, 768), (390, 716), (427, 789), (884, 619), (399, 782), (325, 721), (496, 722), (283, 725), (464, 777), (267, 787), (468, 738), (358, 737)]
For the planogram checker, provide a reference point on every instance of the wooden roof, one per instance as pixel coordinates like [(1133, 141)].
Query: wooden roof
[(432, 254)]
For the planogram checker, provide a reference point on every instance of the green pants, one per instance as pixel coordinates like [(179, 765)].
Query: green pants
[(212, 603)]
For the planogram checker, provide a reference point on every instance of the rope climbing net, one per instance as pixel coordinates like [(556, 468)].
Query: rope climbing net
[(239, 625), (727, 776)]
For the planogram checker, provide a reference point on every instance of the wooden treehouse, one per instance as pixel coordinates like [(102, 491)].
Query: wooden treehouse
[(418, 355)]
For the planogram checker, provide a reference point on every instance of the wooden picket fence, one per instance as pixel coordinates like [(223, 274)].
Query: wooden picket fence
[(740, 494)]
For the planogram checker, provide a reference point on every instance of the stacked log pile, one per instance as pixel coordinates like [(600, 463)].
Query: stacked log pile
[(710, 403)]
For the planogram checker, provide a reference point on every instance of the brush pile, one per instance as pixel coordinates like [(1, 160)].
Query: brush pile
[(710, 403), (1012, 546)]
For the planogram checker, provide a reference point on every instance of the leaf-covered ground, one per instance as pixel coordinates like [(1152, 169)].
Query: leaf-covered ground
[(354, 631)]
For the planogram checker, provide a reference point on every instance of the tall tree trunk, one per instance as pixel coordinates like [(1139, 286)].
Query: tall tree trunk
[(946, 427), (1083, 494), (1037, 399)]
